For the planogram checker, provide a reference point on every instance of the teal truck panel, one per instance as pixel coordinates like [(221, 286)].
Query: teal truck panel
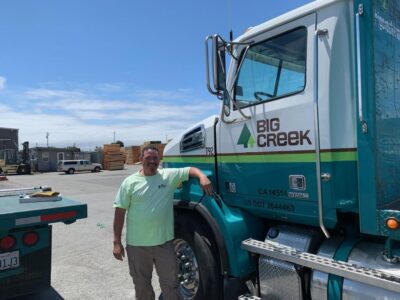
[(235, 224), (378, 132), (25, 241), (14, 214), (34, 271)]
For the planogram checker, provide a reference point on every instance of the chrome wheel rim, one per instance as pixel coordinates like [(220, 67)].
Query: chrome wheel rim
[(188, 269)]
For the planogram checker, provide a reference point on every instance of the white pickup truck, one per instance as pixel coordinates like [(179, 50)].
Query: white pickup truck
[(77, 165)]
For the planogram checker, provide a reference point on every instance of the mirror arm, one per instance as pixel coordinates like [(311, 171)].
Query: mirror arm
[(237, 107), (219, 94), (229, 94), (234, 81), (240, 110), (230, 48)]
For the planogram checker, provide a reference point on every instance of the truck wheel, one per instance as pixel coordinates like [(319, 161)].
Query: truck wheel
[(71, 171), (97, 169), (198, 268)]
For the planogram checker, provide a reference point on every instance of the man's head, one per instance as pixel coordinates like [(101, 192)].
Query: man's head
[(150, 158)]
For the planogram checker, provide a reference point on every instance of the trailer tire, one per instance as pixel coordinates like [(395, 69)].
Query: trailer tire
[(194, 243)]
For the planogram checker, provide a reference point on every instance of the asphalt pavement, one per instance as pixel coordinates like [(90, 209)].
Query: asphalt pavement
[(83, 266)]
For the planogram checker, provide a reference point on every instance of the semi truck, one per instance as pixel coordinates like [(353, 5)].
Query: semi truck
[(304, 158)]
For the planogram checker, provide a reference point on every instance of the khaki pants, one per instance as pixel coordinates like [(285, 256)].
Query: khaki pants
[(141, 260)]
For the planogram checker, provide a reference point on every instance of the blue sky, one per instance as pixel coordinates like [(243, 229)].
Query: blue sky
[(82, 70)]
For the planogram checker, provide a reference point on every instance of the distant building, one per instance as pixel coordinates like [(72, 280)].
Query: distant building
[(8, 138), (8, 144), (45, 159)]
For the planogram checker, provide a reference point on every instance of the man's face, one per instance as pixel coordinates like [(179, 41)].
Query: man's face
[(150, 161)]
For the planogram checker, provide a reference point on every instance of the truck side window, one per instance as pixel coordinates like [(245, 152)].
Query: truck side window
[(273, 68)]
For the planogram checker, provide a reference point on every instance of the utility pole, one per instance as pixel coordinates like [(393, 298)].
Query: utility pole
[(114, 136), (47, 138)]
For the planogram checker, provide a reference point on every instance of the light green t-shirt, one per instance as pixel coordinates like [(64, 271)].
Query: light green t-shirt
[(149, 204)]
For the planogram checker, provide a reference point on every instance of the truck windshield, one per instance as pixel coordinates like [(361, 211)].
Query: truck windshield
[(272, 69)]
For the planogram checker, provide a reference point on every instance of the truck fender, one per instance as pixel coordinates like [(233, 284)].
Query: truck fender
[(205, 215)]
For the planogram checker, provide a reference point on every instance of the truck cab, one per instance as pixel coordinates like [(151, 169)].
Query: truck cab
[(303, 158)]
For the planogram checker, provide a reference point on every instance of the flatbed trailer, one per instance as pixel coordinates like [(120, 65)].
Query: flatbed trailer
[(26, 237)]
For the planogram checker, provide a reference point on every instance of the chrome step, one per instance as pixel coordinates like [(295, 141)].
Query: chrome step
[(366, 275)]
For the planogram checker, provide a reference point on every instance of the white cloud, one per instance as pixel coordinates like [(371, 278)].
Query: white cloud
[(2, 82), (48, 94), (4, 108), (159, 95), (89, 119)]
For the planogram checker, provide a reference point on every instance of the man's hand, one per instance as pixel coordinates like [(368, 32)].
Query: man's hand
[(119, 217), (206, 185), (118, 251)]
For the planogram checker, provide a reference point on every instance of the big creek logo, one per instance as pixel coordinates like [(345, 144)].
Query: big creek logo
[(269, 135), (245, 138)]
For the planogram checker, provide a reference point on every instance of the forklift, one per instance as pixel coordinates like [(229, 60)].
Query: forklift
[(13, 162)]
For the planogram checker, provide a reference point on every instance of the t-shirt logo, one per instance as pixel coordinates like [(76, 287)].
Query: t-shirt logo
[(162, 185)]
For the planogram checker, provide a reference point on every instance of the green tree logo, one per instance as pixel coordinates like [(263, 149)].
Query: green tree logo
[(245, 138)]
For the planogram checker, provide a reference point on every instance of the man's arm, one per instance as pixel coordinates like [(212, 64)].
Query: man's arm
[(204, 181), (119, 218)]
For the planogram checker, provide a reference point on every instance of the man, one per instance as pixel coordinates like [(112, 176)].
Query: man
[(148, 197)]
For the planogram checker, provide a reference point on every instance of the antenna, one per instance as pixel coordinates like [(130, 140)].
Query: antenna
[(230, 20)]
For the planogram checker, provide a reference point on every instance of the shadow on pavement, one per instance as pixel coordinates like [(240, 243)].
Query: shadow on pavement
[(47, 294)]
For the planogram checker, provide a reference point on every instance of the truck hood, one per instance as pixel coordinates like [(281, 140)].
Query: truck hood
[(173, 148)]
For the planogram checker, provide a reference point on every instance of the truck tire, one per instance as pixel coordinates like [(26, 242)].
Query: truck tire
[(71, 171), (97, 169), (198, 267)]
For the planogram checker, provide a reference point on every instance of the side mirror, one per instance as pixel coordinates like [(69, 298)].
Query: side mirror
[(218, 60), (218, 64)]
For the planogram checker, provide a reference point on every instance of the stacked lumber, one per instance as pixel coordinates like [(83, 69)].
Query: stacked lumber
[(113, 158), (122, 150), (132, 154)]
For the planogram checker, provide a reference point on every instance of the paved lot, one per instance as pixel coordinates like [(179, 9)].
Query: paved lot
[(83, 266)]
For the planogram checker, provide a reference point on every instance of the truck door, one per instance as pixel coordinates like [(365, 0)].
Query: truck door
[(267, 141)]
